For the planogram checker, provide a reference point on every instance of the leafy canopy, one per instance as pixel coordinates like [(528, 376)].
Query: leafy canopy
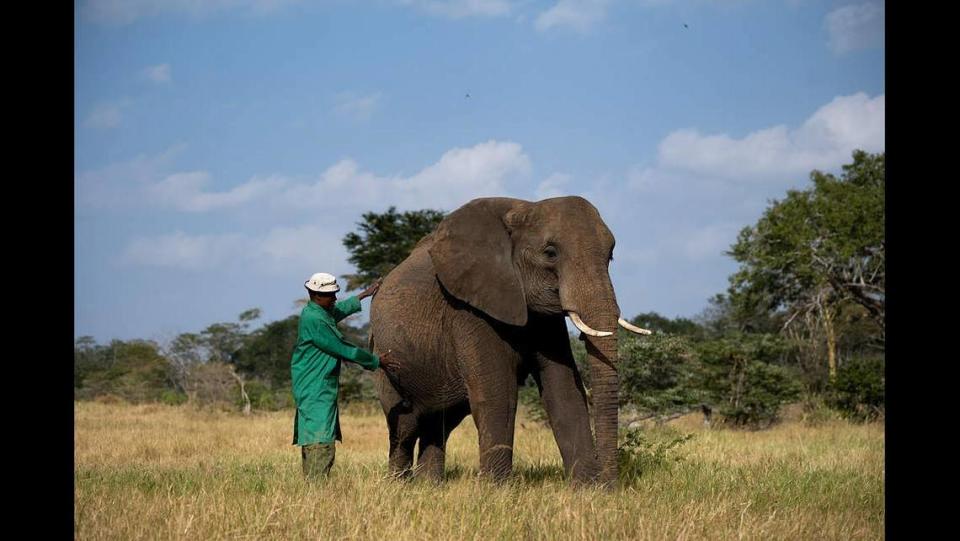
[(824, 244), (384, 241)]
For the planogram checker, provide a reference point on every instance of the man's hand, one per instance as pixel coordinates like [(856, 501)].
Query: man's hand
[(370, 291), (389, 362)]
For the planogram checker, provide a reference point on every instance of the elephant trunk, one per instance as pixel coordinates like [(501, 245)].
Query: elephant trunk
[(598, 310), (604, 386)]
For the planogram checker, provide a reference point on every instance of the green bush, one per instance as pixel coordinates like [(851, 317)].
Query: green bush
[(264, 396), (858, 390), (765, 389), (641, 452), (173, 398), (816, 411), (736, 376), (655, 373), (356, 384), (530, 401), (134, 371)]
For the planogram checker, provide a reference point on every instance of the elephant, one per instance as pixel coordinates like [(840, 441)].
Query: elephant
[(477, 306)]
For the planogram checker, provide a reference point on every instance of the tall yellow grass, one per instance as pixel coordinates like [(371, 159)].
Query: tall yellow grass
[(167, 472)]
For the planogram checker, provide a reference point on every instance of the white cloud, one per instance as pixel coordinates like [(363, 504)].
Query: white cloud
[(856, 26), (464, 173), (121, 12), (642, 179), (461, 174), (317, 246), (106, 114), (553, 186), (308, 246), (458, 9), (184, 191), (486, 169), (158, 74), (578, 15), (122, 184), (491, 168), (824, 141), (182, 251), (357, 107)]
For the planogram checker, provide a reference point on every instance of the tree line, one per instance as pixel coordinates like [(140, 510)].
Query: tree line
[(801, 321)]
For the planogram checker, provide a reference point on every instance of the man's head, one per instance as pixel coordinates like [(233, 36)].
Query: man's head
[(322, 288)]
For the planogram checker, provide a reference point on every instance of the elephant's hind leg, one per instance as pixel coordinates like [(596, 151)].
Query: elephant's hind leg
[(435, 428), (401, 455), (402, 426)]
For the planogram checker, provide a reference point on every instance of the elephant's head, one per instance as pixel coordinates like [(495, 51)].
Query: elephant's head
[(507, 257)]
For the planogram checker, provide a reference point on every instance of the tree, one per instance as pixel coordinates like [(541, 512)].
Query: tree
[(737, 375), (818, 252), (660, 324), (134, 370), (87, 358), (384, 241), (183, 353), (199, 363), (223, 341), (266, 353)]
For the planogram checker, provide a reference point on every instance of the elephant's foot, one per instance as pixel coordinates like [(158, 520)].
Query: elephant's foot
[(496, 463), (430, 463), (401, 459), (404, 474), (583, 472)]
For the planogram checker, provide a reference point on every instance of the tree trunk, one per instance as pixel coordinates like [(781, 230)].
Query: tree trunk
[(246, 399), (831, 341)]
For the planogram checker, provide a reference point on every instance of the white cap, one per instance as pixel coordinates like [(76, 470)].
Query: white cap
[(322, 282)]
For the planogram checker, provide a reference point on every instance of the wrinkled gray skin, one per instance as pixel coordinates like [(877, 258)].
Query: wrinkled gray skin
[(476, 307)]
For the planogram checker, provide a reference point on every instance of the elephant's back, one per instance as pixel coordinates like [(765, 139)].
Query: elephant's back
[(409, 287)]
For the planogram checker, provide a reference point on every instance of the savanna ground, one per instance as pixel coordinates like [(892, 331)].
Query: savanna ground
[(175, 472)]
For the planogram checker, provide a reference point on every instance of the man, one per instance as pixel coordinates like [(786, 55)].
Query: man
[(315, 370)]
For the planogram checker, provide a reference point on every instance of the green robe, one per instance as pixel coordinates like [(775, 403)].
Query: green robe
[(315, 371)]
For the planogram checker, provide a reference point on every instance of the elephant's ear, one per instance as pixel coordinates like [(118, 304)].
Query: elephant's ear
[(473, 256)]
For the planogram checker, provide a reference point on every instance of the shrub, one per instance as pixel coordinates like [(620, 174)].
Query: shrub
[(530, 401), (655, 373), (356, 384), (134, 371), (858, 390), (816, 411), (173, 398), (736, 377), (640, 452), (765, 389)]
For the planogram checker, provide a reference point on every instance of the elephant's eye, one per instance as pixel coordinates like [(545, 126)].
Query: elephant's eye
[(550, 252)]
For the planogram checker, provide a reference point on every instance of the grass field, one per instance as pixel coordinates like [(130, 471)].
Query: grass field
[(167, 472)]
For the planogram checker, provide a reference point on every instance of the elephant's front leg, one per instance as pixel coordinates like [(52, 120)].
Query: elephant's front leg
[(565, 400), (490, 368), (566, 404)]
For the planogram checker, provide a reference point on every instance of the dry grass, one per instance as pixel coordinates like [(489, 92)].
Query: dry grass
[(165, 472)]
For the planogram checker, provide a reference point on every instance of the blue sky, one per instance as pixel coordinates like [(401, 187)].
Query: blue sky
[(223, 148)]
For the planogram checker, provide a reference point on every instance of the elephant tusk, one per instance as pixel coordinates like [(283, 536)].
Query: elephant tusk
[(584, 328), (623, 323)]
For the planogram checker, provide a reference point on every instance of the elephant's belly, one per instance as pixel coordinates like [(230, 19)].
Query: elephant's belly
[(429, 387), (429, 374)]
